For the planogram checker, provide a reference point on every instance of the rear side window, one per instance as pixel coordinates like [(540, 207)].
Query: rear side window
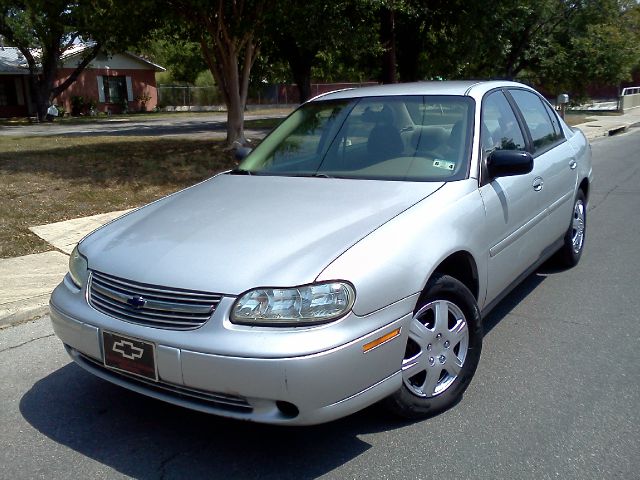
[(554, 119), (537, 119)]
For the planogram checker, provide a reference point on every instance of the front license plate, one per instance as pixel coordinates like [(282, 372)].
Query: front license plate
[(129, 355)]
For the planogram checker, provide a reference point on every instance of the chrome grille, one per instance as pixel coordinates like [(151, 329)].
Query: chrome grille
[(150, 305)]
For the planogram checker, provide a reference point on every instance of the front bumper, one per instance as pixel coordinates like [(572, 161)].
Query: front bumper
[(309, 379)]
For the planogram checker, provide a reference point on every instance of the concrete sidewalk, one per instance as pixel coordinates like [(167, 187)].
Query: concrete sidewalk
[(26, 282), (607, 125), (65, 235)]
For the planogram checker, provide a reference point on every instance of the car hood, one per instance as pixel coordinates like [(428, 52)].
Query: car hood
[(236, 232)]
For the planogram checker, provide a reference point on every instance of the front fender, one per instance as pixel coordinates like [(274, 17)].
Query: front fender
[(396, 260)]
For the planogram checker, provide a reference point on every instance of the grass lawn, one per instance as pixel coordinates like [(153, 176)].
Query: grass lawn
[(49, 179), (581, 117), (263, 123), (140, 117)]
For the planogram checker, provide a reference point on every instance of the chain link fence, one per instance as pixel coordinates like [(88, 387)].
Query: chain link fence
[(187, 95)]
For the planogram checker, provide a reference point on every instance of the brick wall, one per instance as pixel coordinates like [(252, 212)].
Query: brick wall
[(86, 86)]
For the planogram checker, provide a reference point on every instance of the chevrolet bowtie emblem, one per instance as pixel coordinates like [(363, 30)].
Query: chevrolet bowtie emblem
[(136, 301), (127, 349)]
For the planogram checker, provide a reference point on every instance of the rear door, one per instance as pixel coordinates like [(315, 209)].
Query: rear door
[(555, 160)]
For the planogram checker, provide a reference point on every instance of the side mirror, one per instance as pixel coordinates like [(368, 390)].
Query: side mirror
[(242, 153), (505, 163)]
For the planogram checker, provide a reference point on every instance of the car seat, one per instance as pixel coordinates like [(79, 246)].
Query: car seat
[(384, 142)]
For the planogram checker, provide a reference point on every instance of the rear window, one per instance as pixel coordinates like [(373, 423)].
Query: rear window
[(419, 138)]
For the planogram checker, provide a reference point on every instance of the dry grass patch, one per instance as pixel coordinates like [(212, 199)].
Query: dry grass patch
[(50, 179), (576, 118)]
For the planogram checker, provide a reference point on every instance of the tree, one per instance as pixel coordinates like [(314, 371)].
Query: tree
[(499, 38), (600, 47), (420, 31), (297, 32), (558, 44), (388, 41), (171, 48), (229, 33), (43, 30), (401, 24)]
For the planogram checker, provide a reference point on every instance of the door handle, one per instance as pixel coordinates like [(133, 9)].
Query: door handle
[(573, 164), (538, 183)]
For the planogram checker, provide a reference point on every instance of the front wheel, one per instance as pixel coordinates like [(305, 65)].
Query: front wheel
[(442, 352)]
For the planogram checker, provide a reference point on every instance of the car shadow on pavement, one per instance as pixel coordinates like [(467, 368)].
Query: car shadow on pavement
[(146, 438), (519, 293)]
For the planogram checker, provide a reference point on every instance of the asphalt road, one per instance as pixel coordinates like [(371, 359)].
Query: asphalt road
[(556, 395), (207, 125)]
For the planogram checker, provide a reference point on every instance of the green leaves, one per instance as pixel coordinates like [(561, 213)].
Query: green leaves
[(558, 44)]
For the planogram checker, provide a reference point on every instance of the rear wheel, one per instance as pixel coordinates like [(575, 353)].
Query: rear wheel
[(442, 351), (571, 251)]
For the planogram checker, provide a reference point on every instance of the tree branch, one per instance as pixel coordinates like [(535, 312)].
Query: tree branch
[(69, 43), (74, 75), (214, 68)]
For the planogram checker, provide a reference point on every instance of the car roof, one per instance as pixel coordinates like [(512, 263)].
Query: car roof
[(474, 88)]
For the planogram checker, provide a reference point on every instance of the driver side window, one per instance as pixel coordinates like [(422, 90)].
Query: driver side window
[(499, 128)]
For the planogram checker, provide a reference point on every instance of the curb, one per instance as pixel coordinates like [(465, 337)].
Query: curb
[(616, 130), (593, 132), (26, 284), (24, 316)]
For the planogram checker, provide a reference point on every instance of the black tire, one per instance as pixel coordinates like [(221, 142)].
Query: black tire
[(429, 353), (571, 251)]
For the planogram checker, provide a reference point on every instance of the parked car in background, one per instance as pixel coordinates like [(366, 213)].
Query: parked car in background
[(349, 259)]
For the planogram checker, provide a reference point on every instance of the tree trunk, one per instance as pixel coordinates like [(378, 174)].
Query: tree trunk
[(300, 65), (409, 61), (74, 75), (42, 82), (223, 64), (230, 47), (232, 77), (40, 96), (388, 41), (410, 45), (235, 124)]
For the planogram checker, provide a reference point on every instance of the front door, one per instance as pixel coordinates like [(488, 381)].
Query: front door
[(514, 208)]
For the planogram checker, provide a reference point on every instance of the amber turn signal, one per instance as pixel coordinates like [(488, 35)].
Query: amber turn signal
[(379, 341)]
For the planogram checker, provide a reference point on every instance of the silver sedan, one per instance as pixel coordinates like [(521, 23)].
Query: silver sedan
[(349, 259)]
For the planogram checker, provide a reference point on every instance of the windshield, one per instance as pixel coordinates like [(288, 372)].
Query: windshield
[(418, 138)]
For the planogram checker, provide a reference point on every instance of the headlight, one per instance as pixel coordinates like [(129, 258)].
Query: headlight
[(305, 305), (78, 268)]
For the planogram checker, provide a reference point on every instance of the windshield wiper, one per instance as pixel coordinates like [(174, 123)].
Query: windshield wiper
[(321, 175), (240, 171), (309, 175)]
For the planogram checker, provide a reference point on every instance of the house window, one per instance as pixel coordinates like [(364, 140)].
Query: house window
[(115, 89)]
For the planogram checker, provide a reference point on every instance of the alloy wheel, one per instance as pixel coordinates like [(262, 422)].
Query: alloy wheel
[(577, 226), (436, 350)]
